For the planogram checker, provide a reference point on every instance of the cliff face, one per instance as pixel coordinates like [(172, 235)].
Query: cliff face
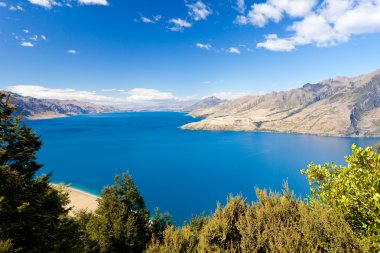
[(33, 108), (341, 106)]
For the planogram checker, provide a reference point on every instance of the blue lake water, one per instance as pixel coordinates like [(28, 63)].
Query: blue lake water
[(183, 172)]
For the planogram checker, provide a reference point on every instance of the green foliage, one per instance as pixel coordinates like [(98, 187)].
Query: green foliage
[(275, 223), (281, 223), (32, 213), (221, 232), (159, 223), (121, 222), (353, 190)]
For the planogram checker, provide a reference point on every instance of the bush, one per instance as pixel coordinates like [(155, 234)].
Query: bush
[(281, 223), (275, 223), (352, 190)]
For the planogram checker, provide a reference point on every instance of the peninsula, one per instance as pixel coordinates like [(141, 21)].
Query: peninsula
[(341, 106)]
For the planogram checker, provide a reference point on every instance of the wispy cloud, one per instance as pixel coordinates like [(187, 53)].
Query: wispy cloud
[(203, 46), (199, 11), (233, 50), (240, 6), (152, 20), (94, 2), (113, 90), (48, 4), (178, 24), (28, 39), (15, 8), (323, 24), (72, 51), (2, 4), (27, 44)]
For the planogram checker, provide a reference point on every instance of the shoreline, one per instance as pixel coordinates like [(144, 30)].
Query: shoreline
[(79, 199), (187, 128)]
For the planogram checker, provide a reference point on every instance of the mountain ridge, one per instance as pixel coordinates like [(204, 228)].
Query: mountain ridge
[(33, 108), (341, 106)]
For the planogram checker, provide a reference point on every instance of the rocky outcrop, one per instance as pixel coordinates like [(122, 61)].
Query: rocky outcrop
[(340, 106)]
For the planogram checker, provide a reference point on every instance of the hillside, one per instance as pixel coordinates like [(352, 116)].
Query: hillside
[(342, 106), (33, 108), (204, 104)]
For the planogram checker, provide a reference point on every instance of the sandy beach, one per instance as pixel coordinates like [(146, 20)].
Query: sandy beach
[(80, 199)]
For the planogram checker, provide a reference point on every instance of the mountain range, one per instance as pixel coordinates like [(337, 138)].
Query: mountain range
[(341, 106), (34, 108)]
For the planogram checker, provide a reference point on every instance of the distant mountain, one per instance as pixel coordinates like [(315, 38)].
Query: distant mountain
[(205, 103), (341, 106), (33, 108)]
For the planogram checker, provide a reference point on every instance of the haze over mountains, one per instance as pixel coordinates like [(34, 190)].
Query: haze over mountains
[(34, 108), (340, 106)]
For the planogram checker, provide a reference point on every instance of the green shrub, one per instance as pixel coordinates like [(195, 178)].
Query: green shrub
[(220, 233), (352, 190), (281, 223), (275, 223)]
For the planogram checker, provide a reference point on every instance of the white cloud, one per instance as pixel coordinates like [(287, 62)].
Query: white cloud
[(233, 50), (274, 10), (240, 6), (44, 3), (93, 2), (241, 20), (72, 51), (33, 38), (229, 95), (113, 90), (147, 20), (48, 4), (203, 46), (327, 24), (152, 20), (61, 94), (15, 8), (136, 95), (199, 11), (274, 43), (142, 94), (28, 38), (2, 4), (27, 44), (178, 24)]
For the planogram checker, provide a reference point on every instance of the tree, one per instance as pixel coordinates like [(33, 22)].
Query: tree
[(121, 222), (353, 190), (32, 213)]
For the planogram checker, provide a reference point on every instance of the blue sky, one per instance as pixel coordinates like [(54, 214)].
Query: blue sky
[(141, 50)]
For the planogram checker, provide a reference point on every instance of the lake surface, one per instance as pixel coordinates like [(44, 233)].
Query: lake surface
[(179, 171)]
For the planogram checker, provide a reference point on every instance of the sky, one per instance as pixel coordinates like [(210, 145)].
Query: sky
[(142, 50)]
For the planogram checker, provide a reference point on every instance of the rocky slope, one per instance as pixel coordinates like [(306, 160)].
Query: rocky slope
[(204, 104), (341, 106), (33, 108)]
